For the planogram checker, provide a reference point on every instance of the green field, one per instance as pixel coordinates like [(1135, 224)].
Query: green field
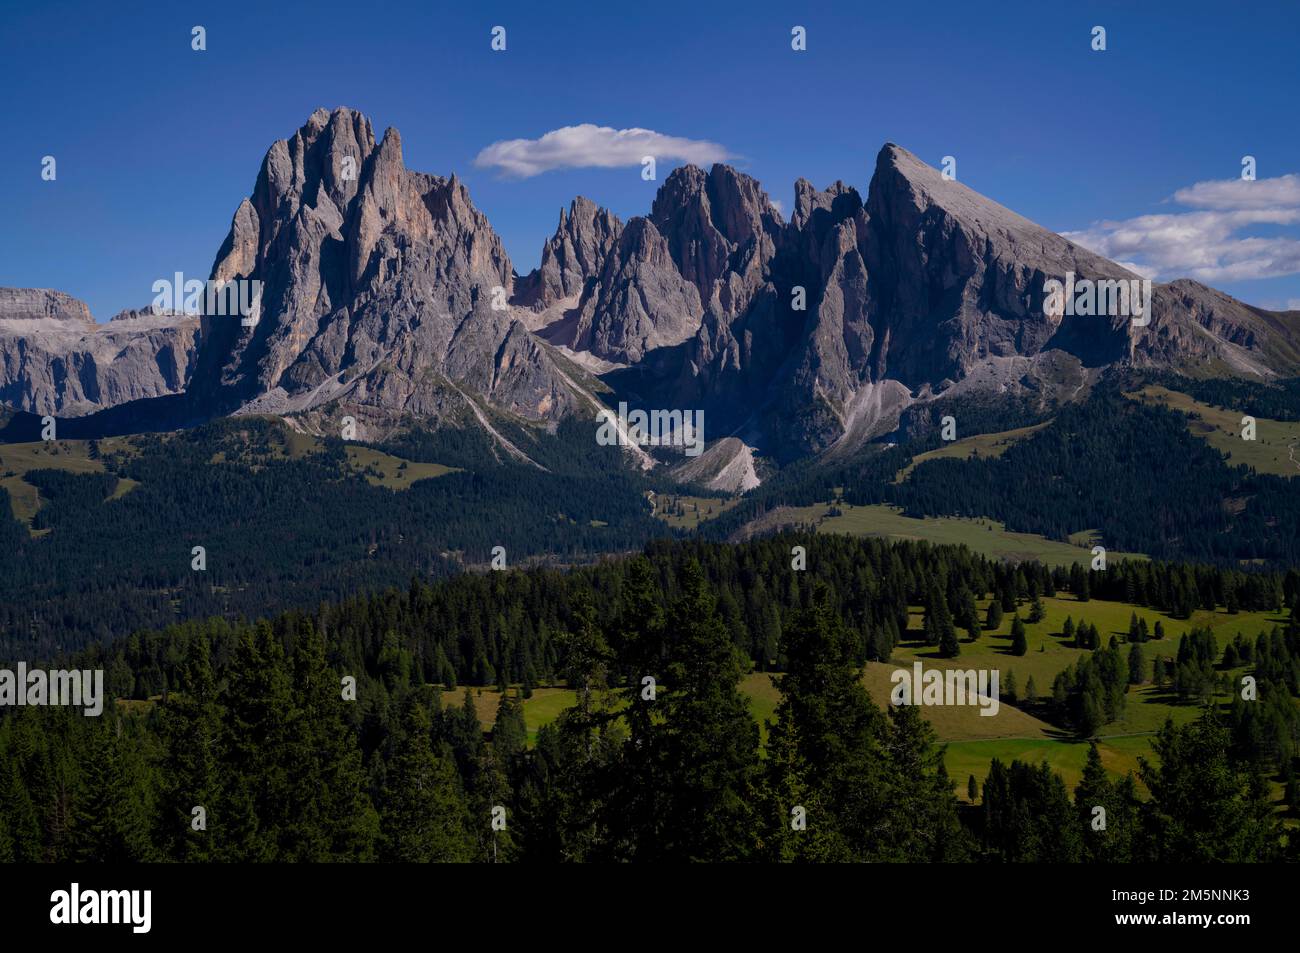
[(16, 459), (384, 469), (543, 708), (1275, 449), (688, 512), (985, 536), (972, 739), (379, 468), (983, 445), (1119, 756)]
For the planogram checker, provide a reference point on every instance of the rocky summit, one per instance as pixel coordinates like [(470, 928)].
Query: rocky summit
[(386, 296)]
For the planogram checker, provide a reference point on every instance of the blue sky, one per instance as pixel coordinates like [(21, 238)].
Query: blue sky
[(156, 143)]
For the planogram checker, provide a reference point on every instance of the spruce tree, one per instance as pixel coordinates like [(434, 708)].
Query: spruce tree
[(1204, 808), (189, 724), (260, 722), (949, 647), (1019, 643), (509, 732), (110, 823), (706, 744), (1137, 665), (335, 818), (425, 818), (22, 819)]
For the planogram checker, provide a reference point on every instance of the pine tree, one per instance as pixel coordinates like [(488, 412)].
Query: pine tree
[(1113, 842), (1019, 643), (260, 722), (949, 647), (1137, 665), (509, 732), (425, 818), (787, 799), (21, 818), (110, 823), (1203, 807), (190, 727), (993, 619), (919, 819), (938, 624), (334, 818), (707, 743)]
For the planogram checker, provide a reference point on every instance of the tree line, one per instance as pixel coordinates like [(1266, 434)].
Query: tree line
[(253, 723)]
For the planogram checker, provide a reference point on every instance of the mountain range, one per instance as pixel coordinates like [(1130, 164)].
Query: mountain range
[(387, 297)]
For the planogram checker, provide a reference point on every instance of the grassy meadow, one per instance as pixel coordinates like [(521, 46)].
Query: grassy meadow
[(1275, 449)]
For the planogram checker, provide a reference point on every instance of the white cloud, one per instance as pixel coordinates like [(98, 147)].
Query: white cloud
[(588, 145), (1281, 192), (1208, 244), (778, 205)]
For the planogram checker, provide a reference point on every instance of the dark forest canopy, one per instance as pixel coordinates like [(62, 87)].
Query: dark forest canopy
[(250, 724), (286, 531)]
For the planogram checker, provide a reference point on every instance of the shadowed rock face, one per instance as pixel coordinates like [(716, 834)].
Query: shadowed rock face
[(54, 358), (378, 290), (576, 252), (923, 284), (638, 302)]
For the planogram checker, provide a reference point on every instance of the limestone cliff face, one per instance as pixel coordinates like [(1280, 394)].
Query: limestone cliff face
[(721, 230), (387, 295), (818, 330), (638, 302), (384, 290), (54, 358), (577, 251)]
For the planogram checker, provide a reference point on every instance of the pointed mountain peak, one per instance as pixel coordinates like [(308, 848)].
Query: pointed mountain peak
[(391, 146), (584, 237), (902, 175), (707, 218)]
